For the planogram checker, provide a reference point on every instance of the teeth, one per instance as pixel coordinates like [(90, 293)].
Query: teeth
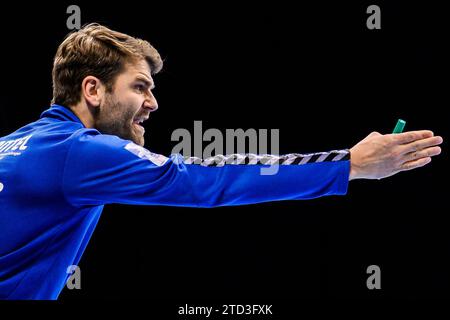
[(140, 120)]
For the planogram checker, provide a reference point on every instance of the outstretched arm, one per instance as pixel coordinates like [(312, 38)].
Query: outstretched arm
[(103, 169)]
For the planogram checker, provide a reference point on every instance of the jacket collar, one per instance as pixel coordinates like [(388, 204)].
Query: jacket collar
[(61, 113)]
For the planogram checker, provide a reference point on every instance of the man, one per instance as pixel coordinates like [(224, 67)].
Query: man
[(57, 173)]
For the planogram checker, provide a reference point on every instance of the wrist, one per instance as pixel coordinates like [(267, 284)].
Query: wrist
[(353, 167), (352, 175)]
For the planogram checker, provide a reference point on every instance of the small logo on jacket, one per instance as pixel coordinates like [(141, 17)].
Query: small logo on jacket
[(143, 153), (13, 147)]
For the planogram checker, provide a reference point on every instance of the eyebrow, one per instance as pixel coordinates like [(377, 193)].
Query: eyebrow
[(147, 82)]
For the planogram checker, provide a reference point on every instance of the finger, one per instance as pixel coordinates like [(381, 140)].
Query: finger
[(424, 153), (421, 144), (415, 164), (407, 137)]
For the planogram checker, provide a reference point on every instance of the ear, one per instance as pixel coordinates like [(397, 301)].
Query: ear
[(92, 90)]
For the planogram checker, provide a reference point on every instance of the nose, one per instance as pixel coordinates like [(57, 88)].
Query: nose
[(150, 102)]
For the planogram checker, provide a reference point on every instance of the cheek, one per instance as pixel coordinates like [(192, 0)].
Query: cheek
[(132, 100)]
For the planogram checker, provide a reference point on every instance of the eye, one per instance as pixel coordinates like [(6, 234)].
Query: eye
[(140, 87)]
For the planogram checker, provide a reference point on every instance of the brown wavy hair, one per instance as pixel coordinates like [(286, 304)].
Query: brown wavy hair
[(96, 51)]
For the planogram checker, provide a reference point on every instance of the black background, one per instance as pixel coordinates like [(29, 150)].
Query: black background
[(312, 70)]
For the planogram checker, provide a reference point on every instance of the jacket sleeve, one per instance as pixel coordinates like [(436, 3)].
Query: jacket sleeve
[(102, 169)]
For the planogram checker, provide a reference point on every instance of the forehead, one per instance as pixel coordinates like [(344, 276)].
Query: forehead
[(139, 67)]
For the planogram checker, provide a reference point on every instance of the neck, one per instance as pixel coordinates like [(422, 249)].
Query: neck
[(84, 114)]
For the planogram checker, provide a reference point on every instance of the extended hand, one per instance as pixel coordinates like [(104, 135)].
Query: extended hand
[(379, 156)]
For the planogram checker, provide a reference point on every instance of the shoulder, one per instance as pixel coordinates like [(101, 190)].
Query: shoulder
[(103, 147), (92, 139), (93, 146)]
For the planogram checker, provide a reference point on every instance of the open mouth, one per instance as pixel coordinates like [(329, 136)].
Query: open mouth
[(138, 123)]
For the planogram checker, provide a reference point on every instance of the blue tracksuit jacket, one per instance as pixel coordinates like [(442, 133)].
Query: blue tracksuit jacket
[(56, 176)]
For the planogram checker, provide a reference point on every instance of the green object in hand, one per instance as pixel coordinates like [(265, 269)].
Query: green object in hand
[(399, 126)]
